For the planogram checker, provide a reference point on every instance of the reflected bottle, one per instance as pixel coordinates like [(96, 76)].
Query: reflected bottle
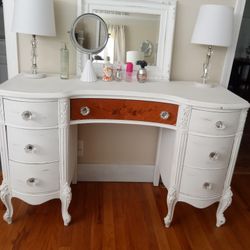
[(64, 57)]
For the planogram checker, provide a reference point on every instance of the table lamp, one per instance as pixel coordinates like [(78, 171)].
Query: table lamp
[(214, 26), (35, 17)]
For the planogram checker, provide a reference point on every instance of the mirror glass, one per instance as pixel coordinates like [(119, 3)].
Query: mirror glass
[(137, 30), (89, 33), (132, 36)]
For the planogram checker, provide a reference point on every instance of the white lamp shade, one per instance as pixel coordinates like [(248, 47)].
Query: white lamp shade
[(34, 17), (214, 25)]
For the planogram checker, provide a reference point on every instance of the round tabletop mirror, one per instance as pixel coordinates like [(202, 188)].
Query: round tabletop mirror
[(89, 33)]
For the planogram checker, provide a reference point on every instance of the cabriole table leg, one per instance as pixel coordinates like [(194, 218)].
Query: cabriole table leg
[(6, 199), (66, 197)]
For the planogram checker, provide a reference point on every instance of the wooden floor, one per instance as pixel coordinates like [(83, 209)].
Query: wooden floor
[(127, 216)]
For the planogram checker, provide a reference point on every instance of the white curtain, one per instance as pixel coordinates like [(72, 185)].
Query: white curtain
[(115, 48)]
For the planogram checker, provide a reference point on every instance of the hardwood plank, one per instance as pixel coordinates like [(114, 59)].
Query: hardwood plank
[(127, 216)]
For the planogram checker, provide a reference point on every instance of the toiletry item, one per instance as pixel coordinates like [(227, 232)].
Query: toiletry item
[(129, 72), (64, 57), (118, 72), (107, 70), (142, 72)]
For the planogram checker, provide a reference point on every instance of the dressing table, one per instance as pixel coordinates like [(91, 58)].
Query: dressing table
[(200, 133), (199, 129)]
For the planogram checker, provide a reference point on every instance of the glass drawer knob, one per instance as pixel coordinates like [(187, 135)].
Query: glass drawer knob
[(214, 156), (32, 181), (29, 148), (85, 111), (208, 186), (164, 115), (220, 125), (26, 115)]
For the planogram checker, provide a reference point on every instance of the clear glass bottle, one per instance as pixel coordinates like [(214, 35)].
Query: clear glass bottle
[(118, 72), (64, 57), (107, 70)]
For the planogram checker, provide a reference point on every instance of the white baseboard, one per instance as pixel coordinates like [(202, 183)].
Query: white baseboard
[(115, 172)]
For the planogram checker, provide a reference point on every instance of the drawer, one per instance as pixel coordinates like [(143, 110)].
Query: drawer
[(208, 152), (33, 146), (148, 111), (202, 183), (31, 114), (214, 123), (33, 179)]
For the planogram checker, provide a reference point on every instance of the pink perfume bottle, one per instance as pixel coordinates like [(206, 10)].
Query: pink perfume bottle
[(129, 72)]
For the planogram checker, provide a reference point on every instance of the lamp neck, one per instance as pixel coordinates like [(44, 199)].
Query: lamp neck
[(34, 54), (207, 64)]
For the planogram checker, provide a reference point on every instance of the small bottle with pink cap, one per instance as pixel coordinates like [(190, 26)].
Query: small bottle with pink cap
[(129, 72)]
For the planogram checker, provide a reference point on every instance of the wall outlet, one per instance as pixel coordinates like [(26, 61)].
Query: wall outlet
[(80, 150)]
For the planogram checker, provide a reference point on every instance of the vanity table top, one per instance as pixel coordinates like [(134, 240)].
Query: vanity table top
[(176, 92)]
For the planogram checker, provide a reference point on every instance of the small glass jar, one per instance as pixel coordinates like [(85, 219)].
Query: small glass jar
[(107, 70), (118, 73)]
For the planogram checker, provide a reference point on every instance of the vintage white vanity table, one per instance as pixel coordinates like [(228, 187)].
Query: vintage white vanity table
[(199, 129), (200, 133)]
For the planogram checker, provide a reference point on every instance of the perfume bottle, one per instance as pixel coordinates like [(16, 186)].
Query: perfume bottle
[(118, 72), (142, 72), (107, 70), (129, 72), (64, 56)]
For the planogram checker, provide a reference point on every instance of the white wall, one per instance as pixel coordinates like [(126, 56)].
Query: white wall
[(120, 143)]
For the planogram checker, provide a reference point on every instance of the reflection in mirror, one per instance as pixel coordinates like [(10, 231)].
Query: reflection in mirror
[(131, 32), (89, 34), (146, 30)]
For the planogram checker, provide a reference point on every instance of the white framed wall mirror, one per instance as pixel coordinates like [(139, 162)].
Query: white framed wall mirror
[(145, 27)]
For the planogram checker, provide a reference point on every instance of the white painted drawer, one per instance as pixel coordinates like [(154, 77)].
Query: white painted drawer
[(33, 179), (208, 152), (202, 183), (214, 123), (33, 146), (31, 114)]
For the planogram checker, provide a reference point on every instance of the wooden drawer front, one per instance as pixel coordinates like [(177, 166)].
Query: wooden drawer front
[(202, 183), (31, 114), (208, 152), (34, 179), (123, 110), (214, 123), (33, 146)]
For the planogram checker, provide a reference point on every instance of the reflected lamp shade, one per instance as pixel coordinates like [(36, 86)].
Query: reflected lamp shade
[(134, 56), (214, 25), (34, 17)]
